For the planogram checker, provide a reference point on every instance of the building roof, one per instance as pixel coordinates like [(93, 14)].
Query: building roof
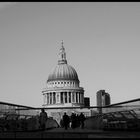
[(63, 71)]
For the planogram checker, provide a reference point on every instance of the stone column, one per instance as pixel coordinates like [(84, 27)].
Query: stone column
[(71, 98), (75, 96), (63, 97), (78, 96), (52, 98), (81, 97), (55, 97), (67, 97), (49, 98), (46, 98), (59, 98)]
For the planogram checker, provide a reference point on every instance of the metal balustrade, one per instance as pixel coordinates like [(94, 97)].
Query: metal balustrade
[(122, 116)]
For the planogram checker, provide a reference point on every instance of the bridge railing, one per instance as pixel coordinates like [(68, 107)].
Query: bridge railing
[(24, 118)]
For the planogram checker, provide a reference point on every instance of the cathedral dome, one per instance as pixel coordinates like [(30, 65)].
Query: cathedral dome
[(63, 72), (63, 86)]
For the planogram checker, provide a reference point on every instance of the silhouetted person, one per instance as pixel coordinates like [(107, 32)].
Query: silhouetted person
[(73, 120), (77, 121), (82, 119), (43, 118), (66, 120)]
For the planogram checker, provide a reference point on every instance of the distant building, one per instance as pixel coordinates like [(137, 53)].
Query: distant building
[(103, 99), (86, 101)]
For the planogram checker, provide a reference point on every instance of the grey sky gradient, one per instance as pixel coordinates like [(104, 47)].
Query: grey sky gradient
[(102, 43)]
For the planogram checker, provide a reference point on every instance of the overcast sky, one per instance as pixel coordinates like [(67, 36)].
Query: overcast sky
[(102, 43)]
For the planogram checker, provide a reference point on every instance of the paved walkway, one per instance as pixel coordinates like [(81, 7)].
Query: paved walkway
[(90, 133), (71, 133), (76, 130)]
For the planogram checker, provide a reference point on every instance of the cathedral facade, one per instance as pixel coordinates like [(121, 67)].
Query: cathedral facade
[(63, 90), (62, 86)]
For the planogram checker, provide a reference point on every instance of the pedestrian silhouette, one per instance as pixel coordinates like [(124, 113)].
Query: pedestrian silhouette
[(43, 119), (73, 120), (77, 121), (66, 121), (82, 119)]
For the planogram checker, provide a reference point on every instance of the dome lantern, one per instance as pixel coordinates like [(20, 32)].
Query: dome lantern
[(62, 55)]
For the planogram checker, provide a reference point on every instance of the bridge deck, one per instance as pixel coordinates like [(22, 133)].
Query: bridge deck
[(71, 133)]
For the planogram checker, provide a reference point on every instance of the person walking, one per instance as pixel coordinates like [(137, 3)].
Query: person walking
[(66, 121), (73, 120), (43, 118), (82, 119)]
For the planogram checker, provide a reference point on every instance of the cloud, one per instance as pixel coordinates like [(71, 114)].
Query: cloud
[(6, 4)]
